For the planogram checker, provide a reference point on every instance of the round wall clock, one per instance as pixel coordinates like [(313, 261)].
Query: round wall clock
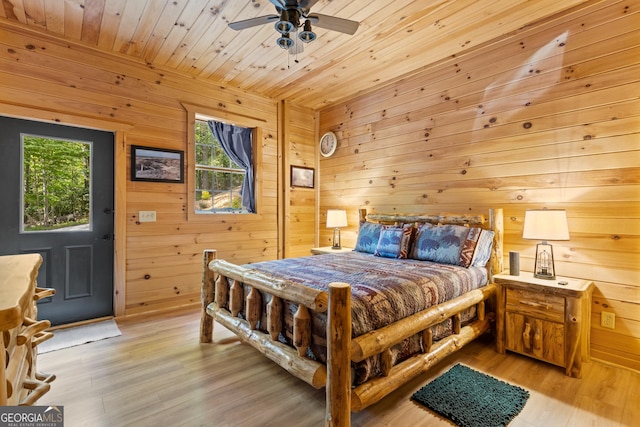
[(328, 144)]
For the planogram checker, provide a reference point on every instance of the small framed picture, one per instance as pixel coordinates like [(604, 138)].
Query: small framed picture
[(156, 164), (302, 177)]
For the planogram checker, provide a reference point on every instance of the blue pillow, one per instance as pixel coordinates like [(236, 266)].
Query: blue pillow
[(441, 244), (368, 237), (394, 242)]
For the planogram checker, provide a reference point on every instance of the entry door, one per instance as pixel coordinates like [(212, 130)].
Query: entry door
[(57, 200)]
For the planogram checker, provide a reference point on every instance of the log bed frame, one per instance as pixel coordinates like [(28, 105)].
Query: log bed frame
[(222, 287)]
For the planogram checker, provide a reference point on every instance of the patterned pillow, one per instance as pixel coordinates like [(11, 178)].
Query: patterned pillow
[(469, 247), (441, 244), (483, 249), (476, 249), (368, 237), (394, 242)]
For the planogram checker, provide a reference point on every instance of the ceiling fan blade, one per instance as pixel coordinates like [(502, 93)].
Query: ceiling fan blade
[(335, 24), (253, 22), (306, 5), (279, 4)]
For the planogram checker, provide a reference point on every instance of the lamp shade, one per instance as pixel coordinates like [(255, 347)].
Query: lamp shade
[(336, 218), (545, 224)]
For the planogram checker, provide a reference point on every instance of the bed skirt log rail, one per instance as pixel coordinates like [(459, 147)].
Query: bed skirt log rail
[(249, 303)]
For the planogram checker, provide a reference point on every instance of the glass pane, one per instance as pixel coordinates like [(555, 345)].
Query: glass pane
[(209, 152), (204, 154), (216, 190), (204, 179), (221, 181), (56, 184)]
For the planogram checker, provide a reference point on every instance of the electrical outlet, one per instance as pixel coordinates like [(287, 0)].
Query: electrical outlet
[(147, 216), (608, 320)]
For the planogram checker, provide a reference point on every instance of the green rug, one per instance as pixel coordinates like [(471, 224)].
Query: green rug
[(472, 399)]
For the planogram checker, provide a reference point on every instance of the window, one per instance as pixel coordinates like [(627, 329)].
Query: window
[(218, 180), (56, 188), (216, 184)]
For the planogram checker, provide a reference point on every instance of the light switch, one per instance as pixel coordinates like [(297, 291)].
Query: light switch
[(147, 216)]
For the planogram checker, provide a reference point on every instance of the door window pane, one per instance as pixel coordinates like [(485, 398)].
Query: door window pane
[(56, 184)]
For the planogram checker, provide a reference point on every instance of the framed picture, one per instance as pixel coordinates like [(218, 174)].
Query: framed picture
[(302, 177), (156, 164)]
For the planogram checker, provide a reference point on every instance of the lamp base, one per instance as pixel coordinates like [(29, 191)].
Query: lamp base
[(336, 239), (544, 267)]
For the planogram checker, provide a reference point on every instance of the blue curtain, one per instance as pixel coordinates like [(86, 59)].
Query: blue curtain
[(236, 143)]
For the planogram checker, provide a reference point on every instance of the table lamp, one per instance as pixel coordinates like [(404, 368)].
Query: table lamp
[(336, 219), (545, 224)]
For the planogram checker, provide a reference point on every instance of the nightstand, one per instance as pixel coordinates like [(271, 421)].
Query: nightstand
[(545, 319), (329, 250)]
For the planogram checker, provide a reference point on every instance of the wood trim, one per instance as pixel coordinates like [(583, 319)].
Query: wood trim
[(316, 138), (234, 118), (56, 117), (120, 224), (283, 180)]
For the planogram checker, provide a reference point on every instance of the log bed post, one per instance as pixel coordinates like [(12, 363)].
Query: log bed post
[(338, 391), (208, 293), (496, 224)]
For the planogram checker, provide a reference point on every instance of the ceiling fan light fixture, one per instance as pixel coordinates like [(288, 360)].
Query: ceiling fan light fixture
[(283, 26), (285, 42), (307, 35)]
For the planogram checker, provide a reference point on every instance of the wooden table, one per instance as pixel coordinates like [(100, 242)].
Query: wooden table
[(20, 331), (329, 250), (545, 319)]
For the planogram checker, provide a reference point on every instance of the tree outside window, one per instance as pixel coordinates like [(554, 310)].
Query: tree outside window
[(218, 180), (56, 183)]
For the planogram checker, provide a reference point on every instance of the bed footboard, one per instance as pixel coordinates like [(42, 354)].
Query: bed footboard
[(233, 296), (224, 298)]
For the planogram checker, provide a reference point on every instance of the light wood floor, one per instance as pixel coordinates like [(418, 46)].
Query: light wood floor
[(158, 374)]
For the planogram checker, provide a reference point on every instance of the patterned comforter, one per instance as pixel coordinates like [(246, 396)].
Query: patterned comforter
[(384, 290)]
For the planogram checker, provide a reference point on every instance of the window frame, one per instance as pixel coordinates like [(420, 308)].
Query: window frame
[(194, 113)]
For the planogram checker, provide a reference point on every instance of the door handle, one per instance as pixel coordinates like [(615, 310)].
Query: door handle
[(526, 337), (108, 211)]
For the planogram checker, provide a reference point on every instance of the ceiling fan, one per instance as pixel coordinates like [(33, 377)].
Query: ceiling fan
[(287, 21)]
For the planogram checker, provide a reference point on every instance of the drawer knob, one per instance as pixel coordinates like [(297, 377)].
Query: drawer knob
[(536, 304)]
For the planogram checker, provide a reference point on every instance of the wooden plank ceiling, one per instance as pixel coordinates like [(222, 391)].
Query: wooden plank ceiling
[(395, 38)]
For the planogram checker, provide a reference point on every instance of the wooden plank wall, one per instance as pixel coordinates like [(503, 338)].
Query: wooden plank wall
[(547, 117), (76, 84), (299, 203)]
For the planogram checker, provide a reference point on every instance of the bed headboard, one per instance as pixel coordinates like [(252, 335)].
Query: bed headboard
[(492, 221)]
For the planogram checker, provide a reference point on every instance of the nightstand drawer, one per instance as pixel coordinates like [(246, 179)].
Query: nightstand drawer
[(547, 307)]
